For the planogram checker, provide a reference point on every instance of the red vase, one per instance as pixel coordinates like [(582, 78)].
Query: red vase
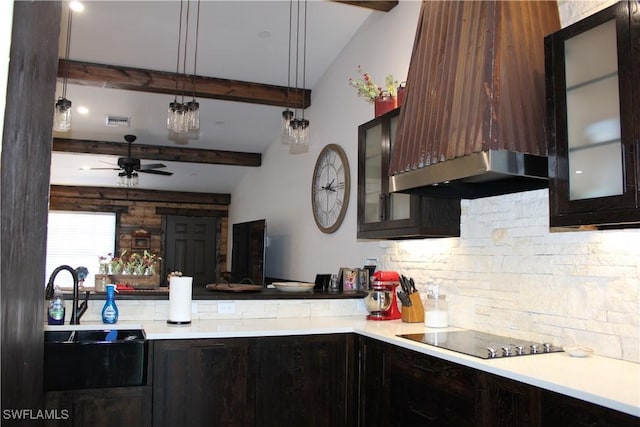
[(402, 92), (385, 103)]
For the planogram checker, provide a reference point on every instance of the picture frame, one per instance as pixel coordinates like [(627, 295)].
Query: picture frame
[(349, 280), (363, 279), (322, 282), (140, 243)]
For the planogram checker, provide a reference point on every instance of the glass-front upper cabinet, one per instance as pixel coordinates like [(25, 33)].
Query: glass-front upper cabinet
[(385, 215), (593, 104), (379, 204)]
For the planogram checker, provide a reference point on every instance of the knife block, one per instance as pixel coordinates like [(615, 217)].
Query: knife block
[(415, 312)]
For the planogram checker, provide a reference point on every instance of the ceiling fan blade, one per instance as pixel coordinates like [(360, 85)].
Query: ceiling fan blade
[(152, 166), (107, 163), (157, 172), (100, 169)]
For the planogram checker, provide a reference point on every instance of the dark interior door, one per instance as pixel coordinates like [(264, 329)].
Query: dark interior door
[(191, 247)]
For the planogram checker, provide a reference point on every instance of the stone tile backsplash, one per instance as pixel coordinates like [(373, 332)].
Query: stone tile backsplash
[(508, 274), (141, 310)]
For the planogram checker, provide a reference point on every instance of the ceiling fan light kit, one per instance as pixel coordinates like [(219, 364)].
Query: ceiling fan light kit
[(62, 111), (128, 181), (184, 117)]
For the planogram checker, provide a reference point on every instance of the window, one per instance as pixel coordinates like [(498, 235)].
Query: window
[(78, 239)]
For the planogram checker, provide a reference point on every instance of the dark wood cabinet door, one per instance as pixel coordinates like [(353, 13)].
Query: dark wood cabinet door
[(507, 403), (427, 391), (563, 411), (306, 381), (105, 407), (405, 388), (592, 75), (203, 383), (373, 407)]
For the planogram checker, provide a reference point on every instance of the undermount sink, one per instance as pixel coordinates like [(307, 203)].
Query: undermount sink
[(77, 359)]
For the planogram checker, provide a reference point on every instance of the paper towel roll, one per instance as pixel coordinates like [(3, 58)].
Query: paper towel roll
[(180, 300)]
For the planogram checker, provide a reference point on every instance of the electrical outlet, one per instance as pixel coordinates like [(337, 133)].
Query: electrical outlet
[(226, 307)]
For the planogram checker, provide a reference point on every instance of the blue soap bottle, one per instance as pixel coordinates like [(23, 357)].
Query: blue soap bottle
[(55, 311), (110, 309)]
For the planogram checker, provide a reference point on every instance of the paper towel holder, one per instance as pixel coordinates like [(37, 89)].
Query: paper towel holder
[(180, 288)]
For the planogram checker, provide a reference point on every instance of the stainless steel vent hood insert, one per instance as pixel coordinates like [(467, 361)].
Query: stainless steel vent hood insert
[(484, 174), (473, 121)]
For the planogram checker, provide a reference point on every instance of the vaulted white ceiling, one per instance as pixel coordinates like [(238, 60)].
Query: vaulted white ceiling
[(239, 40)]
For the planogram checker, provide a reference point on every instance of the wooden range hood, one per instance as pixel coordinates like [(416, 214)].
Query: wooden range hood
[(473, 123)]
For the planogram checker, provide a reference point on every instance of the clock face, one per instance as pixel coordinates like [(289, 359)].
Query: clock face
[(330, 188)]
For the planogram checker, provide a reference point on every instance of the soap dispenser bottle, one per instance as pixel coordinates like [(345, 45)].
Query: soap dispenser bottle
[(55, 310), (110, 309)]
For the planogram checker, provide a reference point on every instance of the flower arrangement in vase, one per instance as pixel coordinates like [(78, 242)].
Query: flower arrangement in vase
[(149, 260), (384, 97), (116, 263), (130, 264), (103, 264)]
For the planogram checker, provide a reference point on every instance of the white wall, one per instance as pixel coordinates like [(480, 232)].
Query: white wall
[(506, 274), (280, 190)]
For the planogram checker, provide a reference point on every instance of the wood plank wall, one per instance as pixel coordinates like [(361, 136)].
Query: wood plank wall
[(145, 209), (24, 173)]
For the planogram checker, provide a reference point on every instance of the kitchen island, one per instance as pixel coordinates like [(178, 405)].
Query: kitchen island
[(606, 382)]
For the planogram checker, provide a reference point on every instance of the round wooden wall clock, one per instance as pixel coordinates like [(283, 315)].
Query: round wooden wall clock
[(330, 188)]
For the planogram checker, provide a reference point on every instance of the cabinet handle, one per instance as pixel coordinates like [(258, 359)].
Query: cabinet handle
[(381, 206)]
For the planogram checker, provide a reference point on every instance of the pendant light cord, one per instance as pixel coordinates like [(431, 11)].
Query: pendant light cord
[(175, 99), (304, 57), (289, 52), (195, 55), (186, 43), (66, 55), (297, 49)]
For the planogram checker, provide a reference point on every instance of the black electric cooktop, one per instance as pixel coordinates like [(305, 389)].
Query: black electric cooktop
[(482, 345)]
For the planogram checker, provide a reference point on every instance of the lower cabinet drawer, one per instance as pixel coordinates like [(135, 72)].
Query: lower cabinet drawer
[(100, 407)]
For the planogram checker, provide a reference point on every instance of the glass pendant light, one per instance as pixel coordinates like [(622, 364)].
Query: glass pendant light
[(299, 126), (183, 118), (285, 129), (62, 109), (62, 115)]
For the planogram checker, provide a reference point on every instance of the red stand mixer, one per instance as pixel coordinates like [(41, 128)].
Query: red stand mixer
[(381, 300)]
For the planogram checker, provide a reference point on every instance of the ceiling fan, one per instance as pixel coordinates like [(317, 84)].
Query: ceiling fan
[(130, 165)]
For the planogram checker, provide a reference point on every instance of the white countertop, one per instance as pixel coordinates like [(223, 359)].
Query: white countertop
[(607, 382)]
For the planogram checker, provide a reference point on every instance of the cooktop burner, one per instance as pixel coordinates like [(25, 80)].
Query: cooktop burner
[(480, 344)]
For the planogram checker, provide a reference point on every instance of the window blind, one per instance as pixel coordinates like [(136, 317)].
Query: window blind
[(78, 239)]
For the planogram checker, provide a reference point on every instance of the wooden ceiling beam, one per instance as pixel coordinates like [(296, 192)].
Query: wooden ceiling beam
[(382, 6), (142, 80), (64, 195), (158, 152)]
